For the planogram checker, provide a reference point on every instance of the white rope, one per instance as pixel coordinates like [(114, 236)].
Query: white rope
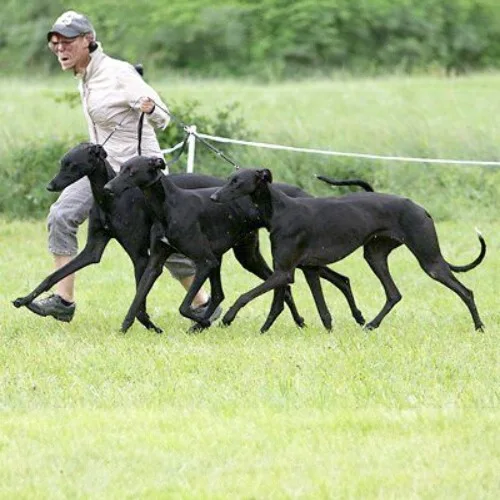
[(172, 149), (351, 155)]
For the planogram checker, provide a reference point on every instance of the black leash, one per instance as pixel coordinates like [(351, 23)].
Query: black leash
[(189, 131), (139, 142), (121, 121), (139, 133)]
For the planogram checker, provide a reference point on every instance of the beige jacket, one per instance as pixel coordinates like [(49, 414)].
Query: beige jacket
[(109, 89)]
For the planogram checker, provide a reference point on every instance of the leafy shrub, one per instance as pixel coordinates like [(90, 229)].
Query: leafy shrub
[(269, 38), (27, 171)]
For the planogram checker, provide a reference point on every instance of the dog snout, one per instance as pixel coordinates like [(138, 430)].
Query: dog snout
[(108, 188), (51, 186)]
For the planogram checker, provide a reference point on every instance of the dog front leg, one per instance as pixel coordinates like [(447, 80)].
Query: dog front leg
[(216, 291), (343, 284), (203, 271), (91, 254), (278, 278), (249, 256), (140, 264), (159, 254)]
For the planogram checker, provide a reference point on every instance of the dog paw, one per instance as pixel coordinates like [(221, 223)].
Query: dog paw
[(228, 317), (195, 328), (126, 325), (151, 326), (225, 322), (360, 320), (19, 302)]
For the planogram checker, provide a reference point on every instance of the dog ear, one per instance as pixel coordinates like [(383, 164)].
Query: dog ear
[(265, 175), (102, 152), (98, 151), (157, 163)]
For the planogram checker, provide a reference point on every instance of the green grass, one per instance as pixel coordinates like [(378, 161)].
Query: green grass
[(410, 410), (393, 115)]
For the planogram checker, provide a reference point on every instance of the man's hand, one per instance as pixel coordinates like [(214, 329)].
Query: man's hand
[(147, 105)]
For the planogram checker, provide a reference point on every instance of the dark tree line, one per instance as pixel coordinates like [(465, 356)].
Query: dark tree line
[(270, 38)]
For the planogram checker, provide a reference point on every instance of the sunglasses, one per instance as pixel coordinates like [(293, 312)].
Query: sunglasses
[(63, 44)]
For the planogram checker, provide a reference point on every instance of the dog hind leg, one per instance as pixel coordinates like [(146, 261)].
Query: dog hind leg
[(376, 252), (425, 246), (441, 272), (312, 277), (276, 309), (343, 284)]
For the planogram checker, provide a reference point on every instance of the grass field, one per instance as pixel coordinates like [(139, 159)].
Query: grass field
[(410, 410), (394, 116)]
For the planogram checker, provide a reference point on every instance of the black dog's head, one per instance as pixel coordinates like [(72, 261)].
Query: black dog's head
[(140, 171), (77, 163), (243, 182)]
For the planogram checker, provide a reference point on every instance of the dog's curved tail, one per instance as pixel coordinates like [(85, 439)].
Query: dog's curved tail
[(474, 263), (347, 182)]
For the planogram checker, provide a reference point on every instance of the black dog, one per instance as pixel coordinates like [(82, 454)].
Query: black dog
[(319, 231), (126, 219), (193, 225), (129, 221)]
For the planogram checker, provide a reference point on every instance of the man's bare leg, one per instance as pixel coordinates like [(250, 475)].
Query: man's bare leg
[(201, 298), (66, 287)]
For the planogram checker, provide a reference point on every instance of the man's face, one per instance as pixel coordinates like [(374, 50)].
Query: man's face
[(71, 53)]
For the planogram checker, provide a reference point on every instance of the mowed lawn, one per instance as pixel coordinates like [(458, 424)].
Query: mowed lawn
[(408, 410)]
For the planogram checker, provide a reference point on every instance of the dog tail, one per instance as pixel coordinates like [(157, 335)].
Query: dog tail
[(474, 263), (347, 182)]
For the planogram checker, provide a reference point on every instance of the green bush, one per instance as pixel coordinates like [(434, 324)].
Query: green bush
[(27, 171)]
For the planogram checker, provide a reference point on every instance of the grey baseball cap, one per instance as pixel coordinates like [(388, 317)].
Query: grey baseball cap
[(71, 24)]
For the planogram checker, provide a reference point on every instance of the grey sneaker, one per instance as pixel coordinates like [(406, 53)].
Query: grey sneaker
[(53, 306), (200, 311)]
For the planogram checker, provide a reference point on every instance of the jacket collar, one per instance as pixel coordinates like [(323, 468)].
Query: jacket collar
[(95, 59)]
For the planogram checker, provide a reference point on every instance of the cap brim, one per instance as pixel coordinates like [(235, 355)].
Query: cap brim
[(64, 31)]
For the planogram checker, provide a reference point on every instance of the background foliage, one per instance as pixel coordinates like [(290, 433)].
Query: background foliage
[(270, 38), (266, 40), (431, 117)]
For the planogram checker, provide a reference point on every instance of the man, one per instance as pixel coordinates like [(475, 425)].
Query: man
[(113, 95)]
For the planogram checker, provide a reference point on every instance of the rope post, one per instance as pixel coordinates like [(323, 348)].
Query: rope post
[(191, 143)]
